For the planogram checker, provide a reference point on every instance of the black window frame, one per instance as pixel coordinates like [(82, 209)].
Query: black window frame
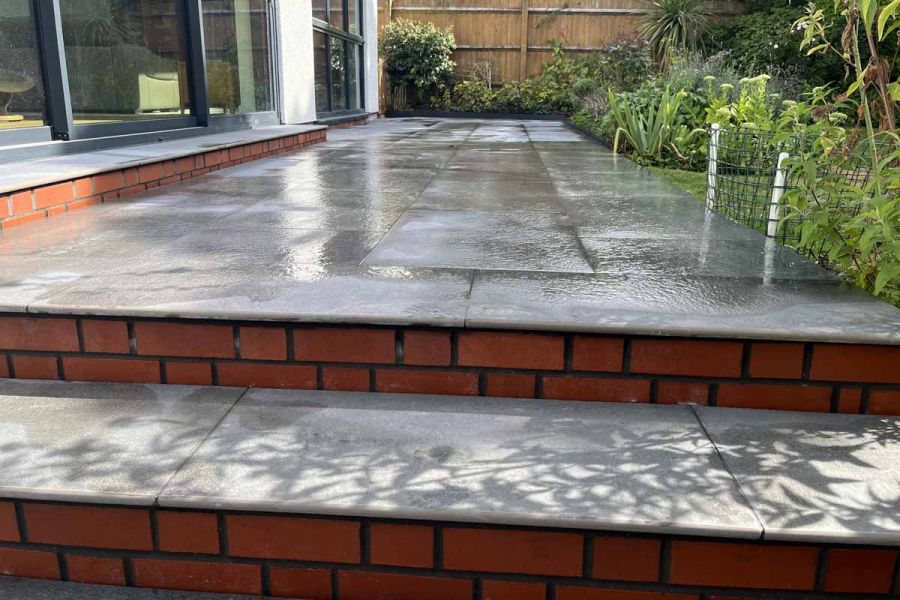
[(59, 116), (352, 43)]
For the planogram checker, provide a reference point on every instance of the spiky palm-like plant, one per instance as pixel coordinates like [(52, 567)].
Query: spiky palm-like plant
[(670, 25)]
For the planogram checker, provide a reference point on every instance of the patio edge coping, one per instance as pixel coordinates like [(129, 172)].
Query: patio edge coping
[(248, 136)]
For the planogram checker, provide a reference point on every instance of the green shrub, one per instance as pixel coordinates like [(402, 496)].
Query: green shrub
[(417, 57), (471, 96), (764, 42), (854, 229), (620, 66), (673, 25), (655, 130)]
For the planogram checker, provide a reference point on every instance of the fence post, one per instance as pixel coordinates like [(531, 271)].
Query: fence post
[(523, 42), (712, 159), (777, 193)]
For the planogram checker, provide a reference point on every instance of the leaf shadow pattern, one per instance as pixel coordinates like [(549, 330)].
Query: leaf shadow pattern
[(119, 441), (559, 463), (813, 474)]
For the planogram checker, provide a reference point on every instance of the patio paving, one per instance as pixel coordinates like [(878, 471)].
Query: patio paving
[(507, 224)]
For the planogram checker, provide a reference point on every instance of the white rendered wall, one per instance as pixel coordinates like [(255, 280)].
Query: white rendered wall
[(294, 60), (370, 52)]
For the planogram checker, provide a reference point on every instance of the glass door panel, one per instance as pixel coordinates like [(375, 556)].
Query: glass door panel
[(126, 59), (238, 62), (21, 83)]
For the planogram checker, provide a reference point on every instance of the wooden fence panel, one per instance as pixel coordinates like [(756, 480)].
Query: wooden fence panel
[(515, 36)]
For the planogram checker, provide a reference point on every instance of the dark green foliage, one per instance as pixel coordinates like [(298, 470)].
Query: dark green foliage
[(763, 41), (671, 26), (417, 56), (564, 85)]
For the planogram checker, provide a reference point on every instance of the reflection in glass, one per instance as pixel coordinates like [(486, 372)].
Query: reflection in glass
[(336, 13), (126, 59), (353, 17), (318, 10), (353, 75), (338, 101), (21, 87), (320, 59), (238, 66)]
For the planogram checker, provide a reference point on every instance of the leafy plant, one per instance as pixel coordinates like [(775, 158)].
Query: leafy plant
[(863, 57), (472, 95), (622, 65), (417, 56), (671, 25), (764, 42), (655, 133), (753, 107), (853, 228)]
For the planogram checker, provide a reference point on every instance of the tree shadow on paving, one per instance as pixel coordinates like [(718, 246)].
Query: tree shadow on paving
[(101, 438), (817, 473), (516, 461)]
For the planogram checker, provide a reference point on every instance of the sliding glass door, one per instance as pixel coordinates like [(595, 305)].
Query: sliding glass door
[(21, 79), (338, 54), (126, 60), (238, 60), (76, 69)]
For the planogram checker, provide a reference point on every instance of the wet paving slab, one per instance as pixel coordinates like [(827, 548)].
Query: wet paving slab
[(509, 224)]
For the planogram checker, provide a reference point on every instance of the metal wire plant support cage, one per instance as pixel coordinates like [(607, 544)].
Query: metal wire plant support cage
[(749, 170)]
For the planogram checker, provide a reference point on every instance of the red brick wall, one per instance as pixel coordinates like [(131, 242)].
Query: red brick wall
[(29, 205), (739, 373), (334, 558)]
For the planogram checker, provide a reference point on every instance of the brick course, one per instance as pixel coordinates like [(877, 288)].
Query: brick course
[(95, 569), (181, 531), (402, 545), (334, 558), (107, 527), (388, 359), (502, 551), (9, 528), (197, 576), (314, 584), (722, 564), (291, 538)]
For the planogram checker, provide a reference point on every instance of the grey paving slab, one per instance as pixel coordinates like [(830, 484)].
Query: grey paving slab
[(392, 222), (814, 477), (759, 259), (656, 304), (13, 588), (566, 464), (484, 241), (308, 293), (100, 442)]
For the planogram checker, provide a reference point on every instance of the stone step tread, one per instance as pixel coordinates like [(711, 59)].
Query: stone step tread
[(643, 468)]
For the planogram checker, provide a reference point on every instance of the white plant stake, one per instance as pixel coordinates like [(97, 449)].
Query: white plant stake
[(711, 166), (777, 193)]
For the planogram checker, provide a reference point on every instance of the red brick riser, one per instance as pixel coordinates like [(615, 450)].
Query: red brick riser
[(817, 377), (30, 205), (328, 558)]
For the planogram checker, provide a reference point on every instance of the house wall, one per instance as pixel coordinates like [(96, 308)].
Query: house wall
[(295, 61), (370, 49), (295, 66)]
